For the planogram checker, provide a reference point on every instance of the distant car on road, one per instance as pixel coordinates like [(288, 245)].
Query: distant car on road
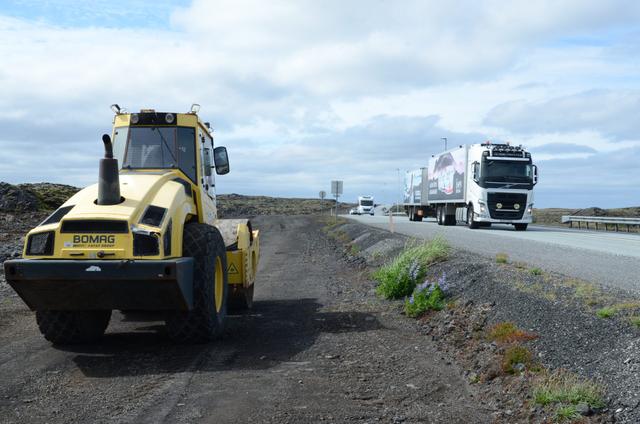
[(353, 211)]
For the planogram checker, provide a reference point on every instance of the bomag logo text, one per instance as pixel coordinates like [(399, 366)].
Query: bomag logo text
[(102, 239)]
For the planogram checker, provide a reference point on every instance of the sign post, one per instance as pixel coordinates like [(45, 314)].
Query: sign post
[(336, 190), (322, 195)]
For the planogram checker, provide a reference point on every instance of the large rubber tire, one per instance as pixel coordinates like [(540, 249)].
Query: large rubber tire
[(417, 218), (241, 298), (449, 220), (470, 221), (72, 327), (439, 215), (521, 227), (205, 322)]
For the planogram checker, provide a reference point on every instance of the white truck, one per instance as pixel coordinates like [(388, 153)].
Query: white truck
[(478, 184), (365, 205)]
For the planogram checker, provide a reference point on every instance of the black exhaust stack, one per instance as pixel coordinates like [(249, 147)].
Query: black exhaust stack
[(108, 179)]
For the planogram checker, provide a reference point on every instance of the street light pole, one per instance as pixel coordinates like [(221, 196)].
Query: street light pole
[(400, 186), (445, 142)]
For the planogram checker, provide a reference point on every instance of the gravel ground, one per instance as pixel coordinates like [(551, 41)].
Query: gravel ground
[(559, 309), (318, 347)]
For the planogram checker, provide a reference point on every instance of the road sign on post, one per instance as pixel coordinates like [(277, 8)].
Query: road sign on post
[(336, 190), (322, 195)]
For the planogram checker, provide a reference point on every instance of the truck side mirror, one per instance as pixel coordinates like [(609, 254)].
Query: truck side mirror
[(475, 172), (221, 160), (535, 175), (206, 159)]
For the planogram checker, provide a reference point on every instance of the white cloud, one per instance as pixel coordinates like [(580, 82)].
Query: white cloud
[(303, 92)]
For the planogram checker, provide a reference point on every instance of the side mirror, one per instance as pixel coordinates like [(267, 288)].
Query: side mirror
[(475, 171), (221, 160), (206, 158), (535, 175)]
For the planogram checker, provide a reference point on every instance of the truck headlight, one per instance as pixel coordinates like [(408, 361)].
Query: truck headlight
[(530, 209), (40, 244), (483, 207)]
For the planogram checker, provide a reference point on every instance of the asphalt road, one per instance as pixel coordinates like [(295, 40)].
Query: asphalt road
[(606, 258), (317, 347)]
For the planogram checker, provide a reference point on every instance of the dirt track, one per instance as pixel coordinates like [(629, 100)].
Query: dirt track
[(316, 347)]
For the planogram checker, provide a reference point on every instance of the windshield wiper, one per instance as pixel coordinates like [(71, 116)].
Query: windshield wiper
[(164, 140)]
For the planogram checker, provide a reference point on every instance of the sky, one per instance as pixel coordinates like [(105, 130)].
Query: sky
[(304, 92)]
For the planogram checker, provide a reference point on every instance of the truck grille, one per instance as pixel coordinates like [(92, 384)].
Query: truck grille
[(508, 200)]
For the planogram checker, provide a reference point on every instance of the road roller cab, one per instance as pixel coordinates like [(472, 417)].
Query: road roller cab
[(146, 237)]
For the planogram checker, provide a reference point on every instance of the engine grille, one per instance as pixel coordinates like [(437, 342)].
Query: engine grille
[(508, 201)]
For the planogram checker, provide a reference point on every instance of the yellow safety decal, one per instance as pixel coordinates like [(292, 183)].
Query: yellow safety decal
[(232, 269)]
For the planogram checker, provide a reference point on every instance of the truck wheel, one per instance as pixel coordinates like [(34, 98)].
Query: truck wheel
[(439, 215), (520, 227), (417, 218), (470, 221), (241, 298), (205, 322), (72, 327), (449, 220)]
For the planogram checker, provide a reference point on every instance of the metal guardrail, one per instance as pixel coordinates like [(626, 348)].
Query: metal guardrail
[(615, 222)]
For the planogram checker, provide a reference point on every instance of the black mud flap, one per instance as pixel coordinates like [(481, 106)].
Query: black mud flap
[(65, 285)]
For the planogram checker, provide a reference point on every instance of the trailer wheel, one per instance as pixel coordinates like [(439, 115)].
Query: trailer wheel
[(417, 217), (439, 215), (72, 327), (470, 221), (205, 322), (449, 220), (520, 227)]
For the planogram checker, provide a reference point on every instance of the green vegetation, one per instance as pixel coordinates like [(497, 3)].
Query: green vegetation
[(606, 312), (354, 249), (611, 310), (567, 413), (516, 355), (508, 332), (399, 277), (536, 271), (502, 258), (562, 387), (635, 320), (422, 301)]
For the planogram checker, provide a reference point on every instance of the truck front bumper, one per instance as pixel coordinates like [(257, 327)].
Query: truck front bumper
[(51, 284)]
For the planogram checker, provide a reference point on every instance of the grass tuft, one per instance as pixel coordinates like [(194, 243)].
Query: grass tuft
[(606, 312), (535, 271), (563, 387), (508, 332), (567, 413), (516, 355), (635, 320), (399, 277), (502, 258)]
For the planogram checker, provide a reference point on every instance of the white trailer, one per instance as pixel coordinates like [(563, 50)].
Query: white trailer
[(365, 205), (478, 184)]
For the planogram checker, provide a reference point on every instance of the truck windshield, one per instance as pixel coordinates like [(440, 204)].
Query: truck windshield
[(366, 203), (160, 147), (505, 171)]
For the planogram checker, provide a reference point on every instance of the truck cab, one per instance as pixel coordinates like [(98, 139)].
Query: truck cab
[(365, 205)]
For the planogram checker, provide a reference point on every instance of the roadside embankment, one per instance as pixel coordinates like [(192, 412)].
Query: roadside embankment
[(565, 349)]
